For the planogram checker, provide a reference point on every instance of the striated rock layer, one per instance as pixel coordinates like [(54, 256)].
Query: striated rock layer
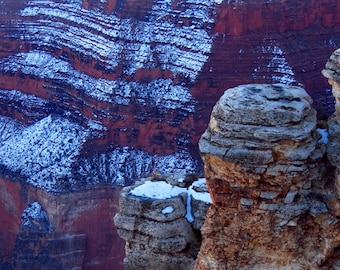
[(139, 78), (272, 207)]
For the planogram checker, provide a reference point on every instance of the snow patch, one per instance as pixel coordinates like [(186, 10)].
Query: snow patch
[(168, 210), (163, 190), (157, 190)]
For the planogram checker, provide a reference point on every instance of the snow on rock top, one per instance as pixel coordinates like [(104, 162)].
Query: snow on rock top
[(201, 196), (161, 190), (157, 190)]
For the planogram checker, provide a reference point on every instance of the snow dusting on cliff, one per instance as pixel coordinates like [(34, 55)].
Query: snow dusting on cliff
[(161, 93), (173, 37), (277, 65), (46, 154), (124, 164), (44, 151)]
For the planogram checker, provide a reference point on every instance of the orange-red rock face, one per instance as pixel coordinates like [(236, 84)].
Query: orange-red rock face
[(88, 214)]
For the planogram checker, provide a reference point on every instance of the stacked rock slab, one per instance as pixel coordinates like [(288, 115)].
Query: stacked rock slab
[(262, 164), (155, 223)]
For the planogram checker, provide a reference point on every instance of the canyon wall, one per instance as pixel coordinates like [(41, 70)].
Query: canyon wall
[(99, 92), (43, 230)]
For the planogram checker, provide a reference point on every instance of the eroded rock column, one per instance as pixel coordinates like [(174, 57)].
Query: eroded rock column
[(332, 73), (160, 220), (262, 164)]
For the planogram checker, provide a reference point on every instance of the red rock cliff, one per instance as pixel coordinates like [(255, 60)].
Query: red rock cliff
[(81, 233)]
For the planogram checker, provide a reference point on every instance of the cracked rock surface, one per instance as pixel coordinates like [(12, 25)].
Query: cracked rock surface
[(272, 207)]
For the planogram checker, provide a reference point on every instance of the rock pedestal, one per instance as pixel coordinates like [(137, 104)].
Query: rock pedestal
[(262, 162), (160, 221)]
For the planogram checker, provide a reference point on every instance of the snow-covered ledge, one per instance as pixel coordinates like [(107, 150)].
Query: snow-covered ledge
[(160, 221)]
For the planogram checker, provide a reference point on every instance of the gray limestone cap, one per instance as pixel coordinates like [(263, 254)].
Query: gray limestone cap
[(332, 68), (254, 124)]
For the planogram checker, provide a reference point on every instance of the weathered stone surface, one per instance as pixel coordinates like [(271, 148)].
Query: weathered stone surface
[(271, 207), (332, 67), (152, 208), (160, 222), (136, 260), (332, 72)]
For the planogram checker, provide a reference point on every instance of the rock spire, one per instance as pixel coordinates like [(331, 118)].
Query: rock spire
[(262, 162)]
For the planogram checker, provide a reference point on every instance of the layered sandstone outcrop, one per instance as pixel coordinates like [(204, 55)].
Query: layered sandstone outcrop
[(161, 220), (272, 207)]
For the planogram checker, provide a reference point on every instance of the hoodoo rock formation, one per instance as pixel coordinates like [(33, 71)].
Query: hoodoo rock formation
[(274, 207), (161, 221)]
